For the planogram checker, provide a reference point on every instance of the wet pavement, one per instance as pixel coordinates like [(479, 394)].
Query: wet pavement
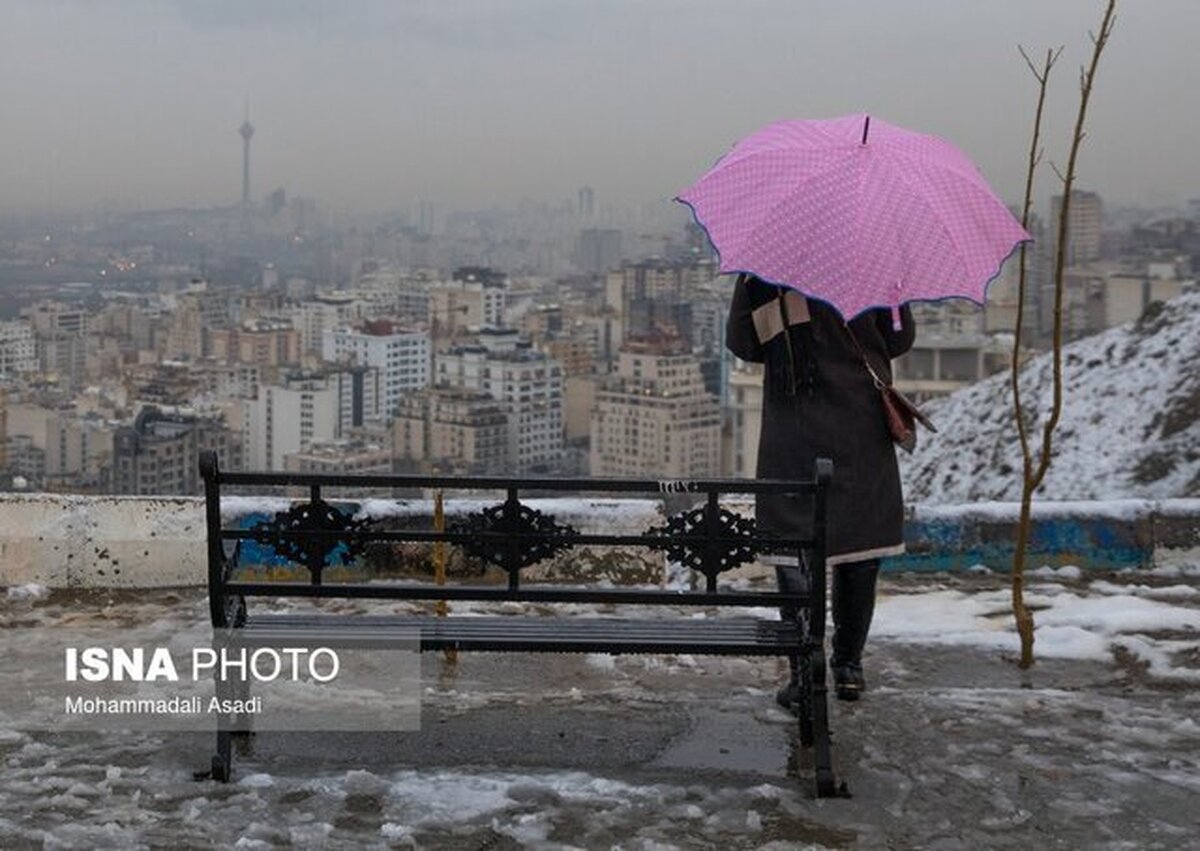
[(953, 747)]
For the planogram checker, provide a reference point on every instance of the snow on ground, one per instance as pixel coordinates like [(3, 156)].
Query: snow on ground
[(1098, 620), (1130, 424), (1097, 746)]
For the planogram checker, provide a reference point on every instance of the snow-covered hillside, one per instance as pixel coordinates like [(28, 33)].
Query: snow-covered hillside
[(1130, 425)]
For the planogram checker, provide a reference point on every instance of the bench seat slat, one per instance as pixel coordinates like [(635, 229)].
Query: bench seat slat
[(722, 636)]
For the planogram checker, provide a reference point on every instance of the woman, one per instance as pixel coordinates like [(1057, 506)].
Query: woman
[(819, 400)]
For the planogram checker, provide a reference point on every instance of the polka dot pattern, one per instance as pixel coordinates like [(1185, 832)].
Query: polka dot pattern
[(905, 217)]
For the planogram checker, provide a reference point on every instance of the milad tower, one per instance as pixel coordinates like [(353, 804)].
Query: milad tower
[(246, 131)]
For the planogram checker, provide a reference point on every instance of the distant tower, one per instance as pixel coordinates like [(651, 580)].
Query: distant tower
[(1085, 227), (247, 131), (587, 202)]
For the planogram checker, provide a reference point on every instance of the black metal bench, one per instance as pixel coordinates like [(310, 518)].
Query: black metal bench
[(708, 538)]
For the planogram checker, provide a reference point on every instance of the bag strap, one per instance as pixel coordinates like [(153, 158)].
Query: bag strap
[(880, 384), (886, 388), (787, 340)]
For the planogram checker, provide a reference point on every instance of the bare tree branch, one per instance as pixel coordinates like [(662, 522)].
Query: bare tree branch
[(1034, 474), (1044, 74), (1021, 612)]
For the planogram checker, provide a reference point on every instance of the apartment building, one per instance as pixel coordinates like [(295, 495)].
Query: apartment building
[(265, 342), (1085, 225), (18, 349), (157, 453), (658, 294), (653, 417), (340, 456), (473, 298), (401, 356), (528, 382), (332, 310), (451, 430), (74, 450), (745, 409), (300, 408), (288, 416)]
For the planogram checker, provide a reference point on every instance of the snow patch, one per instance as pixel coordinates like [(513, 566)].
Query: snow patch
[(30, 591)]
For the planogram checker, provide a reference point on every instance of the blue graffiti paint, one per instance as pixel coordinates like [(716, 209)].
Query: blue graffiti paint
[(255, 556), (941, 544)]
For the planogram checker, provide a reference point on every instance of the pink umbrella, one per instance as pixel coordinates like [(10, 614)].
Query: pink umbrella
[(856, 212)]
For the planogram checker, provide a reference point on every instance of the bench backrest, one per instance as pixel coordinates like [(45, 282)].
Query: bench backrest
[(510, 534)]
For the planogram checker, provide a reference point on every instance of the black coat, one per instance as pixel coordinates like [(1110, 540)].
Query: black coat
[(820, 401)]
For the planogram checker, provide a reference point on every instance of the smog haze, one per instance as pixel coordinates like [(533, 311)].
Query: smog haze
[(137, 104)]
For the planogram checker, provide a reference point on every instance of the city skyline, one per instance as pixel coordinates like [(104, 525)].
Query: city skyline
[(374, 106)]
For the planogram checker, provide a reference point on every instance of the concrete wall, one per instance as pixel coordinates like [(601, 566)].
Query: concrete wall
[(77, 541), (98, 542), (1099, 535)]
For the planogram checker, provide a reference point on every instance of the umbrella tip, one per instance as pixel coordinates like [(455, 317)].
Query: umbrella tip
[(866, 127)]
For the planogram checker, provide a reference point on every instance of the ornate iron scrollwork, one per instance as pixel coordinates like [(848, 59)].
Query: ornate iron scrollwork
[(734, 540), (338, 544), (512, 535)]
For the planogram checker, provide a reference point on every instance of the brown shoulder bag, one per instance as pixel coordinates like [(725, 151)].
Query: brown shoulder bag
[(900, 414)]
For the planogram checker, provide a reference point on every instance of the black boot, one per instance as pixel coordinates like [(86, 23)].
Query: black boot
[(853, 607), (791, 580)]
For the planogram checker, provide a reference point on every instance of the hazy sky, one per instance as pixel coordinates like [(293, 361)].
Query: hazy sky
[(372, 105)]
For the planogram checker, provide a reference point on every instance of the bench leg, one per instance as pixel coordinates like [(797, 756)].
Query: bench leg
[(245, 721), (222, 761), (822, 746), (804, 701)]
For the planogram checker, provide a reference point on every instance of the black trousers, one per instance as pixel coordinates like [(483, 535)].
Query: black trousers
[(852, 601)]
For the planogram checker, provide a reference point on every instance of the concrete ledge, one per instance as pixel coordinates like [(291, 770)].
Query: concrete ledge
[(101, 542), (144, 542), (1111, 534)]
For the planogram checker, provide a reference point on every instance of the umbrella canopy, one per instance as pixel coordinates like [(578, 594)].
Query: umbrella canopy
[(856, 212)]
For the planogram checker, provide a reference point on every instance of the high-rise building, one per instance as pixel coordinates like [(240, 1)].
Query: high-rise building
[(587, 202), (1084, 225), (401, 356), (452, 430), (745, 407), (425, 218), (599, 249), (329, 310), (360, 397), (478, 292), (655, 296), (288, 416), (60, 340), (653, 417), (527, 381), (157, 453), (192, 315), (18, 349)]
